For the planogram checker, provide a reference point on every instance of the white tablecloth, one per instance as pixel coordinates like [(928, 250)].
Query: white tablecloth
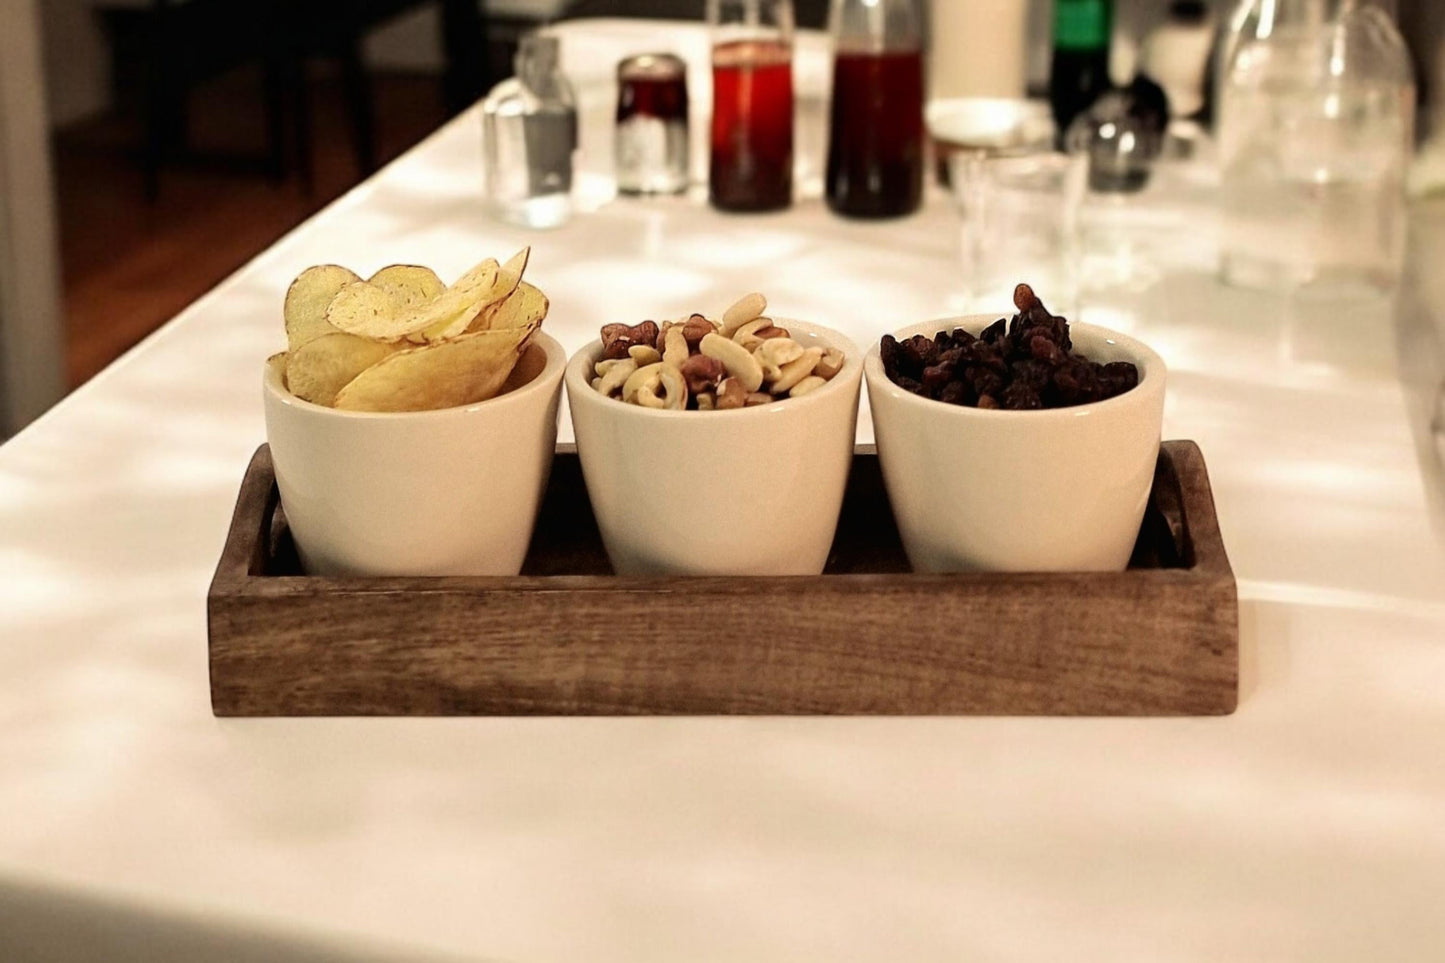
[(1310, 825)]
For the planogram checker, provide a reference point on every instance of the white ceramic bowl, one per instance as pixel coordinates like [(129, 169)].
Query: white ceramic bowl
[(754, 491), (1020, 491), (448, 492)]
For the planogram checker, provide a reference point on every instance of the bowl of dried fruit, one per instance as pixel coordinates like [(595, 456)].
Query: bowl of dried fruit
[(1022, 445), (716, 447)]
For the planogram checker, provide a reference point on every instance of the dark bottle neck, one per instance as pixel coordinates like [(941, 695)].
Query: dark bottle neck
[(1083, 25)]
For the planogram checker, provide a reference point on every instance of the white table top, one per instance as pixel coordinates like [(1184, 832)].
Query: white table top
[(1309, 825)]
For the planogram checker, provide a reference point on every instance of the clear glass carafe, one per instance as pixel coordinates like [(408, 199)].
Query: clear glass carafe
[(876, 139), (1316, 128)]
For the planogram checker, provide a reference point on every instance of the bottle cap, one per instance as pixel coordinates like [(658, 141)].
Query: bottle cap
[(651, 66)]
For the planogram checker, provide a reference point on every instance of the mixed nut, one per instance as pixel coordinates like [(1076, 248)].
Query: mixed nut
[(701, 365), (1026, 364)]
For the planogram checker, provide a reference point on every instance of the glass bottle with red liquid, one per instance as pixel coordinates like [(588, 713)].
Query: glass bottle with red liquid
[(875, 142), (752, 117)]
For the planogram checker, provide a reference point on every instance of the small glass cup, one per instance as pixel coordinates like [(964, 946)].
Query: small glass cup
[(752, 119), (652, 136), (1020, 224)]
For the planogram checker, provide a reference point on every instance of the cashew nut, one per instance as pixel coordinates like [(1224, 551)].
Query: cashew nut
[(706, 401), (746, 308), (747, 333), (644, 354), (613, 374), (740, 364), (774, 353), (806, 385), (795, 371), (675, 351), (641, 387), (830, 364)]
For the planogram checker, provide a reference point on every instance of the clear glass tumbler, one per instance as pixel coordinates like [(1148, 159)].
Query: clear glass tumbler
[(1020, 224)]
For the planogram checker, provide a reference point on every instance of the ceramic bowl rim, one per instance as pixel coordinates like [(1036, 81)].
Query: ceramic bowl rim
[(544, 382), (1152, 373), (579, 386)]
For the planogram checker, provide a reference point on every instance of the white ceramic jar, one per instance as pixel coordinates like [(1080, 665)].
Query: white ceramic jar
[(752, 491), (1062, 489), (448, 492)]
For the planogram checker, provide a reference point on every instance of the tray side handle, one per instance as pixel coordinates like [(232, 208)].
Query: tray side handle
[(244, 554), (1196, 504)]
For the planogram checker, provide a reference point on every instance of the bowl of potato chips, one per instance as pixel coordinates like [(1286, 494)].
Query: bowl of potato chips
[(412, 423)]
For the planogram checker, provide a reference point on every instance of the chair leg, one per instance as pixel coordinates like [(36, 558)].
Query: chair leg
[(297, 82), (159, 121), (464, 41), (275, 98), (356, 86)]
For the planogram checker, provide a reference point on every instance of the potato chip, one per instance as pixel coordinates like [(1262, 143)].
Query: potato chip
[(462, 371), (409, 285), (526, 307), (509, 275), (307, 300), (317, 370), (369, 311)]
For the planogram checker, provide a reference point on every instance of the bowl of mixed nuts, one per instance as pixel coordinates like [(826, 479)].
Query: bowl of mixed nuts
[(1016, 444), (716, 447)]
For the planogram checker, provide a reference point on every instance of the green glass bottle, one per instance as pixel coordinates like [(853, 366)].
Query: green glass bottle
[(1079, 72)]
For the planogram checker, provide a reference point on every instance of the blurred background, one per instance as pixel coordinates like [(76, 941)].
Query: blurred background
[(150, 147)]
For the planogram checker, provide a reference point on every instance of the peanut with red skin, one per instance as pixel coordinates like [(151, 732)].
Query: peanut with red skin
[(618, 338), (731, 394), (702, 373), (695, 328)]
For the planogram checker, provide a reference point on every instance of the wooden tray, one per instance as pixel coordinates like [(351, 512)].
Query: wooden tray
[(867, 637)]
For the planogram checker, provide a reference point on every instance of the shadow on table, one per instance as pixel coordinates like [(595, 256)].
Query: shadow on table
[(47, 924)]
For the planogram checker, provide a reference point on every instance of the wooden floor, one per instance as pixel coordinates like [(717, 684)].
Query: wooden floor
[(128, 265)]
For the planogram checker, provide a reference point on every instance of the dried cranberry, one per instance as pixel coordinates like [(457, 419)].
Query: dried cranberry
[(955, 393), (936, 376), (1045, 350), (920, 351), (1021, 397)]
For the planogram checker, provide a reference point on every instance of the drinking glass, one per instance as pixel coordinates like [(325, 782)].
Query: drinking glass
[(752, 116), (652, 137), (1020, 224)]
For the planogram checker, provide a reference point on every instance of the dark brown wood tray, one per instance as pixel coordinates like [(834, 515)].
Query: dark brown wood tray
[(867, 637)]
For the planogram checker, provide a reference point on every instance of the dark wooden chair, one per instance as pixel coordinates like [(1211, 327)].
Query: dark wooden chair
[(182, 43)]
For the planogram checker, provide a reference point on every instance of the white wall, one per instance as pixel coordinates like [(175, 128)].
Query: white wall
[(409, 43), (77, 61), (31, 378)]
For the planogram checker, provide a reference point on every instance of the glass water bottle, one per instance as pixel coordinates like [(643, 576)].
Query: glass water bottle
[(529, 135), (876, 142), (1315, 129)]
